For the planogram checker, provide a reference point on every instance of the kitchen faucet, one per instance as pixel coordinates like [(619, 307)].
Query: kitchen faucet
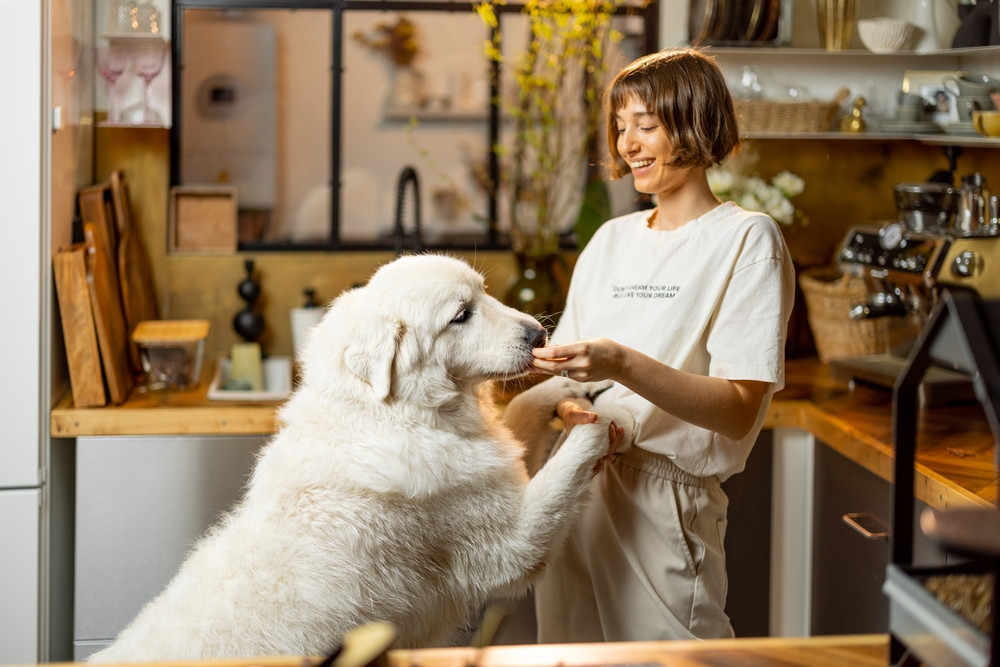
[(408, 176)]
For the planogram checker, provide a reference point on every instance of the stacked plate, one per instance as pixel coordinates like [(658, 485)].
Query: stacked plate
[(960, 129), (909, 126)]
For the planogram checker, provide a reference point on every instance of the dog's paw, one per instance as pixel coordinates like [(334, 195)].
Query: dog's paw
[(621, 417), (555, 389), (538, 403)]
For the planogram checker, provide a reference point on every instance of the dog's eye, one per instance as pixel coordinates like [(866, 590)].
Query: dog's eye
[(462, 316)]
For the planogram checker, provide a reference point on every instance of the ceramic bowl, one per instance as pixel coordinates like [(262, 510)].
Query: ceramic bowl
[(885, 34), (987, 123)]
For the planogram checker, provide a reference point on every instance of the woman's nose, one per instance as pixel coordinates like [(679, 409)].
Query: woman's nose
[(626, 142)]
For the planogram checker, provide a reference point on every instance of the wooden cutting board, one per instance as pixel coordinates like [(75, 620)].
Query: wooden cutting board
[(109, 320), (135, 279), (82, 354), (96, 208)]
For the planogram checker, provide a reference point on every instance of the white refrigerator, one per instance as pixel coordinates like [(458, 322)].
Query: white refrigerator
[(24, 339)]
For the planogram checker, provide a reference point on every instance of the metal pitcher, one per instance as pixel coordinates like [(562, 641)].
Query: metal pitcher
[(974, 207)]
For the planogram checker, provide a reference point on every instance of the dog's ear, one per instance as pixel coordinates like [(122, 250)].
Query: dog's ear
[(372, 350)]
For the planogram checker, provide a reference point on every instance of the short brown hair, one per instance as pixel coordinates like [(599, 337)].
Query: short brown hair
[(686, 90)]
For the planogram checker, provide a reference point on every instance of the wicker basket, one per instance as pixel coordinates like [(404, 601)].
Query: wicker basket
[(829, 295), (758, 116)]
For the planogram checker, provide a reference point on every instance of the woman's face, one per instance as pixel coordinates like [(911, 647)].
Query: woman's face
[(643, 143)]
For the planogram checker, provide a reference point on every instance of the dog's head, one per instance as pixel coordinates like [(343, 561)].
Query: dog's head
[(422, 327)]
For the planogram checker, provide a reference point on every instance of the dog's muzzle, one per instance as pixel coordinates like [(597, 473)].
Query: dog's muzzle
[(536, 337)]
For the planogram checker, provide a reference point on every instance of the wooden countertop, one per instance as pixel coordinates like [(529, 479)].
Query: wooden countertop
[(820, 651), (185, 412), (955, 449)]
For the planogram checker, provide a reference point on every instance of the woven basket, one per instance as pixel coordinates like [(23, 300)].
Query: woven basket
[(829, 295), (758, 116)]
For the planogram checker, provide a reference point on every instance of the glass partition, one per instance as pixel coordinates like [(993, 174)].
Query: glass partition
[(345, 124)]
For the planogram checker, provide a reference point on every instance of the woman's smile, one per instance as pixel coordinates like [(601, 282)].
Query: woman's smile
[(640, 167)]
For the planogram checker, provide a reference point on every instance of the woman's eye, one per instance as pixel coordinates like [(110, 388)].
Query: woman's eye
[(462, 316), (648, 129)]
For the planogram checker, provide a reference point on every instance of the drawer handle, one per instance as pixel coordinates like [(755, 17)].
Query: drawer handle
[(868, 525)]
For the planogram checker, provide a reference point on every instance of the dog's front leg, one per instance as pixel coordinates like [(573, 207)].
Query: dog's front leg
[(530, 417), (551, 501)]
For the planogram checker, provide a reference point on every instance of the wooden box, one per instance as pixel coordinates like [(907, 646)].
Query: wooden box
[(203, 218)]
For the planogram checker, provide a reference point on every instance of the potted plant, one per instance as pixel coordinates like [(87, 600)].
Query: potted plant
[(554, 110)]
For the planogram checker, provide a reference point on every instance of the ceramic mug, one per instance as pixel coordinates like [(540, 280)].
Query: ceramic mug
[(987, 123), (968, 103), (970, 84), (909, 106)]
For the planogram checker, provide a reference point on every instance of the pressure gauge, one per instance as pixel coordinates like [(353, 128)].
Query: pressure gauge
[(891, 235)]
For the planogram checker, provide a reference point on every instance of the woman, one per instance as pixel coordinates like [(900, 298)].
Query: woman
[(684, 308)]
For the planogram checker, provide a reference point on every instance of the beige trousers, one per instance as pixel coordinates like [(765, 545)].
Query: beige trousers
[(644, 562)]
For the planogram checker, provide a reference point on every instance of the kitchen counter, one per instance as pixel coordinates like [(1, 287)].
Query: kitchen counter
[(955, 448), (826, 651)]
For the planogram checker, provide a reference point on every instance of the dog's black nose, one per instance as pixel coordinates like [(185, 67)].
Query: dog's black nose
[(536, 337)]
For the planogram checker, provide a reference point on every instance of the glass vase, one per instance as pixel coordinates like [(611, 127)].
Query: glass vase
[(539, 287)]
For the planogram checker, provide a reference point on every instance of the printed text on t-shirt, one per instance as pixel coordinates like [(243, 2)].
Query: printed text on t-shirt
[(644, 291)]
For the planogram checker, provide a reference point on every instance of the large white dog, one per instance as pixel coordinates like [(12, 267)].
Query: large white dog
[(391, 491)]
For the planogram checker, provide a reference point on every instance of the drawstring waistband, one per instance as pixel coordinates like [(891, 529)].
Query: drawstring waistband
[(661, 466)]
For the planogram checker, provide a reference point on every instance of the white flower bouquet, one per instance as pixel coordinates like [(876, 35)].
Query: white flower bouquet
[(755, 194)]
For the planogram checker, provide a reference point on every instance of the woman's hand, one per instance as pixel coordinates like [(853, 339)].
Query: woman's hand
[(727, 407), (574, 411), (584, 361)]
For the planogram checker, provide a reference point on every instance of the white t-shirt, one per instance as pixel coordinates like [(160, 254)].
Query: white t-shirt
[(712, 297)]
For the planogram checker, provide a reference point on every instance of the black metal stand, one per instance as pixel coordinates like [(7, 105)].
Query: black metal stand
[(963, 331)]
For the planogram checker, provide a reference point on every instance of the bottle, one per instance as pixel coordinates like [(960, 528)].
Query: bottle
[(303, 320)]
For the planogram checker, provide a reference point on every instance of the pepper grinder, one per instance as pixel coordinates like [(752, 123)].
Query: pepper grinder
[(248, 323), (245, 358)]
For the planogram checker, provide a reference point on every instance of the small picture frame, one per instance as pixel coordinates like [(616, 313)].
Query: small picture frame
[(203, 219), (930, 85), (942, 104)]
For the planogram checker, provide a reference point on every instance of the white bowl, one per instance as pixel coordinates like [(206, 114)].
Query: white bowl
[(885, 34)]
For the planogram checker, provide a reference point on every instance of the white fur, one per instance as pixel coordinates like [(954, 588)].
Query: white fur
[(391, 491)]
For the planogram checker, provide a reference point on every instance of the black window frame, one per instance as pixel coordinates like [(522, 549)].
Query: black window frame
[(492, 239)]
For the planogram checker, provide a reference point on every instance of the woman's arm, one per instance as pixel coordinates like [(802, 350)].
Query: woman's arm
[(728, 407)]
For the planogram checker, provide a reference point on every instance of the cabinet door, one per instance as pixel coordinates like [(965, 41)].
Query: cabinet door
[(849, 566), (19, 540), (748, 542), (141, 503)]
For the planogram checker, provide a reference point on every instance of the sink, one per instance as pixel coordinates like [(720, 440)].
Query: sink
[(277, 372)]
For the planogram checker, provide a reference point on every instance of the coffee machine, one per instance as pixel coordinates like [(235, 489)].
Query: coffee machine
[(943, 235)]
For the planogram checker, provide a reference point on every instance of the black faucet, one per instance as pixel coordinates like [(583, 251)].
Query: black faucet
[(408, 175)]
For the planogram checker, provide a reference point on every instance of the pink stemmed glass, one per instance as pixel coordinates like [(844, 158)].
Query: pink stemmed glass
[(111, 61), (147, 59)]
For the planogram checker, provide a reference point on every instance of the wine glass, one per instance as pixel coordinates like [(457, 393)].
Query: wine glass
[(147, 60), (120, 16), (111, 61)]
